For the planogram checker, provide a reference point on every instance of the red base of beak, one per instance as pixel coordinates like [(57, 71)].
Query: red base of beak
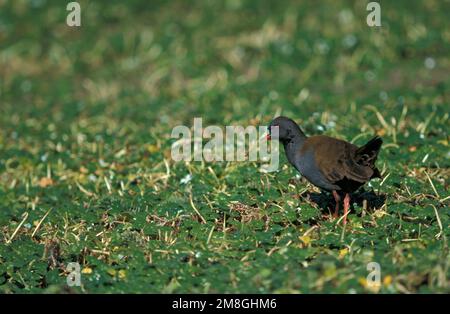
[(268, 137)]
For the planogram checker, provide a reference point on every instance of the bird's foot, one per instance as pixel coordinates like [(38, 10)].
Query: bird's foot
[(346, 207), (337, 198)]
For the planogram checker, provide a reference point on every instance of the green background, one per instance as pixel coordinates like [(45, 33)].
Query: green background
[(86, 115)]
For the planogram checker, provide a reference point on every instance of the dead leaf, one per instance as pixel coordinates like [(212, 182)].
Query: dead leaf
[(45, 182)]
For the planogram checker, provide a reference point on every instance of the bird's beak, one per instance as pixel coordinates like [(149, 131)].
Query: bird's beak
[(268, 137)]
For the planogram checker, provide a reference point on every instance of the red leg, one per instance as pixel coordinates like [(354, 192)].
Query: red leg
[(346, 207), (337, 198)]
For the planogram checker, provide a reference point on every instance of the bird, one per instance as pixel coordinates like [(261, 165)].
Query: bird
[(331, 164)]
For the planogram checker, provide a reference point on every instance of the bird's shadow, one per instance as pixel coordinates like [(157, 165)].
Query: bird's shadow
[(368, 200)]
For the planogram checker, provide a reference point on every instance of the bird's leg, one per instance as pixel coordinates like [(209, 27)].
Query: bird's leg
[(346, 206), (337, 198)]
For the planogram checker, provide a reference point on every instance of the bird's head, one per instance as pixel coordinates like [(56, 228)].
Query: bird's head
[(287, 129)]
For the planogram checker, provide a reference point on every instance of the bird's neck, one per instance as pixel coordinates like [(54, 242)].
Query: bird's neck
[(293, 146)]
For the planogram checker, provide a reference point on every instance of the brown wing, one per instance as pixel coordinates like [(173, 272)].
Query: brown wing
[(336, 160)]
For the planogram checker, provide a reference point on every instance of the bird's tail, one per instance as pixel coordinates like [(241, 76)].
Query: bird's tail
[(372, 146), (367, 154)]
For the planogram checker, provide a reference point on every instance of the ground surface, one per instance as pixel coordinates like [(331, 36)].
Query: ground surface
[(85, 168)]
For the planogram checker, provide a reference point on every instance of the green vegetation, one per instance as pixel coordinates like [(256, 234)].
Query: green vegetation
[(86, 116)]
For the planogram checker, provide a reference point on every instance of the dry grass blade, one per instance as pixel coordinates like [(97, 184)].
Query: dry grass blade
[(40, 222), (432, 185), (82, 189), (195, 209), (17, 229), (439, 223), (210, 234)]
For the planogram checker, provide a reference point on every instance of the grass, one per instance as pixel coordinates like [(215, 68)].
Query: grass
[(85, 169)]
